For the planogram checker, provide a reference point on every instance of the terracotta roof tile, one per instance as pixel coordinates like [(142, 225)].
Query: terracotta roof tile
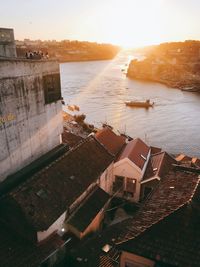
[(183, 158), (173, 240), (196, 162), (112, 142), (175, 190), (70, 138), (155, 150), (46, 196), (159, 164), (136, 150)]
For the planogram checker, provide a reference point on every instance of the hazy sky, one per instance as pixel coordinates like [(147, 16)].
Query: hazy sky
[(124, 22)]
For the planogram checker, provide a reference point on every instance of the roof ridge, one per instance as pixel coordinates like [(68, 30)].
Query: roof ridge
[(102, 146), (158, 153)]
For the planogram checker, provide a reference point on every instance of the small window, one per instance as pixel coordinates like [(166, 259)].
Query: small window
[(130, 185)]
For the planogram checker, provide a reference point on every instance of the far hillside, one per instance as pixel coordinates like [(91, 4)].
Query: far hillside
[(175, 64), (68, 50)]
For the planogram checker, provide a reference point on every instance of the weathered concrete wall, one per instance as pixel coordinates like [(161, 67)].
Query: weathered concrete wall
[(7, 43), (29, 127), (107, 178)]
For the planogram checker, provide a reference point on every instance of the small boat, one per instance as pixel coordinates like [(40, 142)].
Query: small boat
[(140, 104)]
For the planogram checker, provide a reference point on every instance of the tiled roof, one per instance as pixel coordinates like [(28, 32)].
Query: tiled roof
[(174, 191), (183, 158), (136, 150), (174, 240), (89, 209), (46, 196), (159, 164), (70, 138), (196, 162), (112, 142), (16, 252), (155, 150)]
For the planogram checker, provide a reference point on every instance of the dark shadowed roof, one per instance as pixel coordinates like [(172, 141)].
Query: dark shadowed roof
[(136, 150), (155, 150), (173, 192), (112, 142), (159, 164), (48, 194), (174, 240), (16, 252), (89, 209)]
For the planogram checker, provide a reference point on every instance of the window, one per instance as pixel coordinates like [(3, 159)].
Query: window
[(119, 183), (52, 88), (130, 185)]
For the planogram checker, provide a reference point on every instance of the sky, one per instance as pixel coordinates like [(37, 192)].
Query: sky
[(123, 22)]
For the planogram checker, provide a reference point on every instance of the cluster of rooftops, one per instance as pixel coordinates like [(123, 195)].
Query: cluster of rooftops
[(73, 193)]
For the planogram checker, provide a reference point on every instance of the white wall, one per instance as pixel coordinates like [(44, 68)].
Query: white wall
[(55, 227), (28, 127), (128, 169)]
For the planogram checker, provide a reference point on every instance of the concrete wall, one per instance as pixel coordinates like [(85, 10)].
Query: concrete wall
[(7, 43), (29, 127), (107, 178)]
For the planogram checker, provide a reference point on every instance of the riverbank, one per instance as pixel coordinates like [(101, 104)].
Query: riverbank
[(84, 59), (176, 76)]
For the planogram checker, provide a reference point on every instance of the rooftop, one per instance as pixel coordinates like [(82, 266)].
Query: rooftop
[(159, 164), (174, 240), (46, 196), (174, 191), (89, 209), (137, 151), (112, 142), (17, 252)]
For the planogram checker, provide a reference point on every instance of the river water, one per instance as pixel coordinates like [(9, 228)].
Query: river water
[(100, 88)]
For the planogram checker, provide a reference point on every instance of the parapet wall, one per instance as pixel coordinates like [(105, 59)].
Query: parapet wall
[(30, 112)]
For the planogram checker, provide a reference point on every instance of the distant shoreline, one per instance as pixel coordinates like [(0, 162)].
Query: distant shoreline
[(84, 60)]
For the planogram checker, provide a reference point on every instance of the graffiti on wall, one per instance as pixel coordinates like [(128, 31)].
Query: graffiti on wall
[(7, 118)]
